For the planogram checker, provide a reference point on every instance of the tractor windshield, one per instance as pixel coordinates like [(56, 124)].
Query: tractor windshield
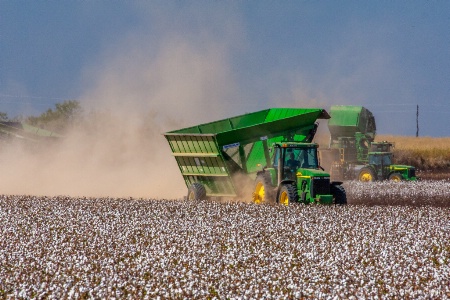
[(306, 158), (387, 159), (293, 158), (384, 159)]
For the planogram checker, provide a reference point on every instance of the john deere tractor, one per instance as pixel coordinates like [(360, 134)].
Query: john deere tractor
[(379, 165)]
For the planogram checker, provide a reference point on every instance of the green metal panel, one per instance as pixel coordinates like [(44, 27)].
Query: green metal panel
[(346, 120), (250, 127), (188, 145), (227, 124), (273, 126), (200, 160)]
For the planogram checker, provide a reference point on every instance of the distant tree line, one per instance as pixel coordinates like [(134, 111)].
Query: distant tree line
[(57, 119), (3, 117)]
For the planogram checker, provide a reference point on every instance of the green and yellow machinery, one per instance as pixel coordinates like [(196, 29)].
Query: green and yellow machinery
[(267, 155), (25, 132), (353, 154)]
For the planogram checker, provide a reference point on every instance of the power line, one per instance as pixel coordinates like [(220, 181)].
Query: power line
[(406, 104), (391, 104), (411, 111), (393, 111), (33, 103), (8, 99), (32, 97)]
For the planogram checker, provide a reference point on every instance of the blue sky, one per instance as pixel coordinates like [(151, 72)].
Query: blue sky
[(227, 58)]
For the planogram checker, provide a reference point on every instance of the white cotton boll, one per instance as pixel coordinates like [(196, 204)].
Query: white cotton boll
[(158, 246)]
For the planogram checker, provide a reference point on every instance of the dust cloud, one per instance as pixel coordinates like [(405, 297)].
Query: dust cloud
[(133, 94), (117, 149)]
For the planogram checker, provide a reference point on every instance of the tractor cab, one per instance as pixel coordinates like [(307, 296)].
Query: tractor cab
[(381, 162), (289, 158)]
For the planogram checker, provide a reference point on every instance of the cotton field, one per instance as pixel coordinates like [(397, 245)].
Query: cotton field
[(427, 192), (98, 248)]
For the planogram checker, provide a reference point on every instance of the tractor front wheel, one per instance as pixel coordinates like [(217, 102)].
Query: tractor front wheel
[(288, 194), (196, 192), (339, 195), (367, 174), (396, 177)]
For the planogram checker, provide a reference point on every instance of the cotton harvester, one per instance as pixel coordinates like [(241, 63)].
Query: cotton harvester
[(353, 153)]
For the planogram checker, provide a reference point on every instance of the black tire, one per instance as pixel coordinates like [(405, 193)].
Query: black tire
[(263, 190), (396, 177), (196, 192), (339, 194), (288, 194), (367, 174)]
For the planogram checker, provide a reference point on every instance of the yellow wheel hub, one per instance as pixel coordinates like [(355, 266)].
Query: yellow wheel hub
[(366, 177), (191, 196), (284, 198), (258, 195), (395, 178)]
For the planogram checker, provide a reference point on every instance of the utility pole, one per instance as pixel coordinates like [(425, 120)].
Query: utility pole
[(417, 121)]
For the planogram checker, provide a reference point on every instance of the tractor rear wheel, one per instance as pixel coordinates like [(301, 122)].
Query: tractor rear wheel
[(339, 195), (288, 194), (263, 191), (367, 174), (196, 192), (396, 177)]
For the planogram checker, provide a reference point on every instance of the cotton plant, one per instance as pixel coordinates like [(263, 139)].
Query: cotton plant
[(75, 248)]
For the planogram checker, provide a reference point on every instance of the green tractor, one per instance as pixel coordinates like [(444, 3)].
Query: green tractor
[(380, 167), (295, 176)]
